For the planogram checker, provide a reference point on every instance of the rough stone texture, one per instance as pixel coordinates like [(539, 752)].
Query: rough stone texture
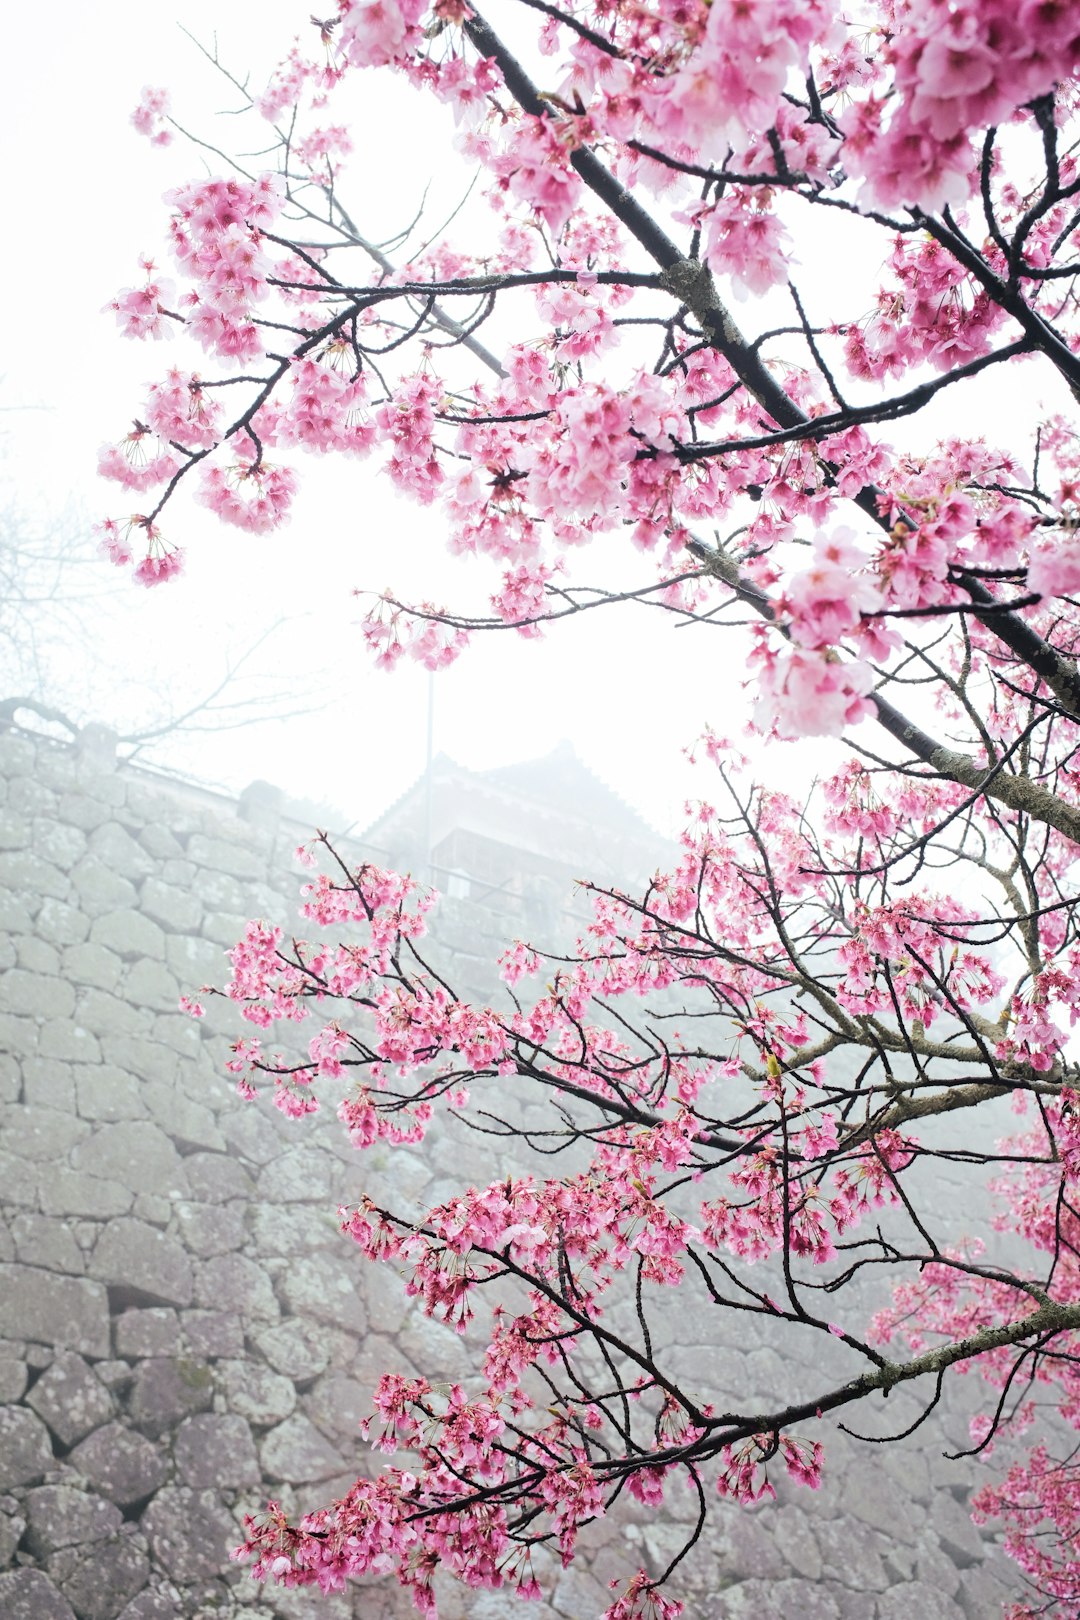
[(59, 1516), (98, 1580), (296, 1452), (184, 1330), (153, 1332), (122, 1465), (25, 1450), (138, 1155), (211, 1451), (42, 1240), (66, 1311), (130, 1254), (28, 1594), (13, 1377), (71, 1399), (256, 1393), (166, 1390), (190, 1532), (326, 1290)]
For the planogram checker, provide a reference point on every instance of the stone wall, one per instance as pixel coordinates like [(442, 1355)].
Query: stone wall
[(184, 1331)]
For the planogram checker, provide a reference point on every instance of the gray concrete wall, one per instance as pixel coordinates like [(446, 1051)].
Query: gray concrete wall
[(184, 1331)]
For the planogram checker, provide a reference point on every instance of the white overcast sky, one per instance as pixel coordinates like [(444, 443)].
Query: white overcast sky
[(83, 202)]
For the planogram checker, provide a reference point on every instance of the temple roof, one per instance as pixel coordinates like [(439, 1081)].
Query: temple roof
[(555, 808)]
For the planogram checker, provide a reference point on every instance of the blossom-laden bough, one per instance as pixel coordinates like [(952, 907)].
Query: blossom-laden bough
[(825, 995)]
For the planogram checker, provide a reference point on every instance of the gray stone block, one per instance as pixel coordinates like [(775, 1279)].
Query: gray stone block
[(18, 756), (177, 1113), (166, 1390), (32, 796), (71, 1399), (870, 1496), (12, 1527), (41, 1133), (212, 1452), (83, 811), (151, 985), (36, 955), (48, 1083), (62, 923), (153, 1210), (293, 1347), (174, 907), (934, 1568), (19, 1180), (191, 1533), (115, 1374), (94, 765), (99, 1580), (909, 1598), (179, 870), (106, 1014), (59, 1516), (287, 1231), (71, 1192), (100, 890), (959, 1539), (327, 1290), (225, 928), (35, 995), (144, 1059), (129, 934), (338, 1405), (143, 1333), (160, 842), (137, 1154), (213, 1334), (87, 963), (233, 859), (215, 1178), (180, 1032), (107, 1095), (29, 874), (296, 1452), (301, 1175), (47, 1241), (11, 1078), (251, 1135), (69, 1312), (240, 1281), (161, 1602), (256, 1393), (986, 1590), (15, 918), (26, 1454), (13, 1376), (56, 842), (28, 1594), (65, 1039), (773, 1600), (14, 829), (211, 1229), (132, 1255), (114, 845), (122, 1465)]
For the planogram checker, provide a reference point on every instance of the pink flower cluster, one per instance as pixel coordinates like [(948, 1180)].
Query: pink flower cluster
[(150, 116), (955, 69)]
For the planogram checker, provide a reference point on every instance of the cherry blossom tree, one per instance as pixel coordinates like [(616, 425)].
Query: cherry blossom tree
[(749, 1067)]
